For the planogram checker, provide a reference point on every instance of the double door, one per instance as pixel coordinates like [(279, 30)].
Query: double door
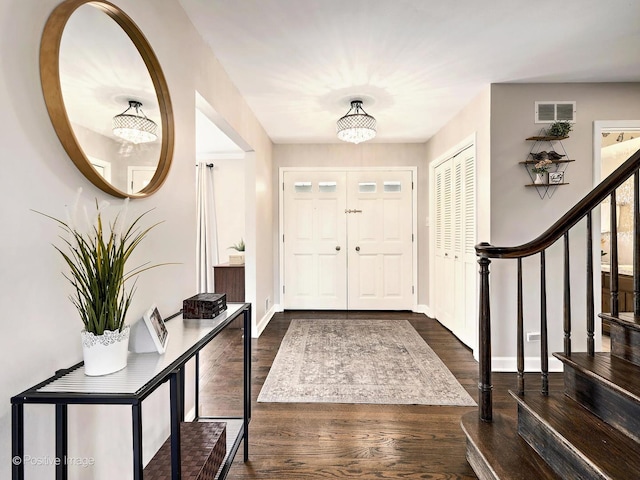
[(348, 240), (455, 289)]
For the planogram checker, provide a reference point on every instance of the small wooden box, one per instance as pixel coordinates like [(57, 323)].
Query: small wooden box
[(204, 305), (203, 446)]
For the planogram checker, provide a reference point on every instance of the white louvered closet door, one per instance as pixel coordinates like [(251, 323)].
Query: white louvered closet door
[(455, 239), (444, 244)]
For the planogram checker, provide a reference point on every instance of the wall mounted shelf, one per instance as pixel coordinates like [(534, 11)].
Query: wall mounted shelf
[(546, 143)]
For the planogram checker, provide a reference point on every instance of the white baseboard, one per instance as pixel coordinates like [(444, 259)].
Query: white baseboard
[(263, 322), (424, 309), (278, 308), (190, 415), (531, 364)]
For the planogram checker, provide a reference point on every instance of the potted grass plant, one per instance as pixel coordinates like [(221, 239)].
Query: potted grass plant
[(97, 258)]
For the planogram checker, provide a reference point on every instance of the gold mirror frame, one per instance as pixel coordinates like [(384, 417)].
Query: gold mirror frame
[(52, 90)]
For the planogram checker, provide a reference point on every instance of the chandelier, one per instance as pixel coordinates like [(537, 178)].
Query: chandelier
[(357, 125), (134, 127)]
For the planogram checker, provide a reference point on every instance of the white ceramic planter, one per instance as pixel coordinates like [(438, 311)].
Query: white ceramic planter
[(236, 259), (104, 354)]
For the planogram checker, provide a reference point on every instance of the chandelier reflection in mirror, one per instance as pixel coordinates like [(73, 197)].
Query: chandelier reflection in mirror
[(357, 125), (134, 127)]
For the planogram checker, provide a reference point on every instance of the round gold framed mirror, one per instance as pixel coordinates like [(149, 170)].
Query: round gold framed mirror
[(107, 97)]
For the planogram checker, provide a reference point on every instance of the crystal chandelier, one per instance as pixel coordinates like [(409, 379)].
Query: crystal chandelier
[(134, 127), (357, 125)]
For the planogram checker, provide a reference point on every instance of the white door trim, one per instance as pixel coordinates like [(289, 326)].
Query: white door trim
[(414, 226), (600, 126)]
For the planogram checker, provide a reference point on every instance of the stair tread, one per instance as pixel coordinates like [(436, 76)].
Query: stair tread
[(626, 319), (507, 454), (616, 373), (608, 449)]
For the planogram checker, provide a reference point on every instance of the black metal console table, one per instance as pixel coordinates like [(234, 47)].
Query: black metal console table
[(144, 373)]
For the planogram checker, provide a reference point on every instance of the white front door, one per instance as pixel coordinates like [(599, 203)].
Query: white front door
[(315, 240), (379, 206), (347, 240)]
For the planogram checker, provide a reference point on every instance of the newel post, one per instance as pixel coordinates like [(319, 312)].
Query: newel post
[(484, 383)]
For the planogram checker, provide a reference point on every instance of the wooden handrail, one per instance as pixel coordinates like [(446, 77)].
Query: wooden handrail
[(568, 220), (560, 228)]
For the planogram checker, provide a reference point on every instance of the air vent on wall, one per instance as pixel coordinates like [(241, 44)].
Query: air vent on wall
[(549, 112)]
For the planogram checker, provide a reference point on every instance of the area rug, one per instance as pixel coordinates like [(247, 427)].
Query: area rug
[(359, 361)]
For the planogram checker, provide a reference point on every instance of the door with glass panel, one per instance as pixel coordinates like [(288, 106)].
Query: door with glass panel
[(347, 240), (380, 238), (315, 253)]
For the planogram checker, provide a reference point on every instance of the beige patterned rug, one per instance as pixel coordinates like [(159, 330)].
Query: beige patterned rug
[(359, 361)]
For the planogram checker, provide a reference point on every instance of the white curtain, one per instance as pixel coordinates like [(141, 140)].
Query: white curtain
[(207, 233)]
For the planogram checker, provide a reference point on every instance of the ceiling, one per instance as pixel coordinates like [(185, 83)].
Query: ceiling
[(414, 63)]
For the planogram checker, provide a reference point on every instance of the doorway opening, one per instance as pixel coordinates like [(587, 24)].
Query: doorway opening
[(615, 142)]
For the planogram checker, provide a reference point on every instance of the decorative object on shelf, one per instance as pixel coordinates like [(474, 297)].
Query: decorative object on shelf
[(204, 305), (237, 259), (540, 169), (556, 177), (543, 155), (134, 127), (156, 328), (106, 353), (559, 129), (544, 159), (203, 450), (357, 125), (96, 258), (553, 155)]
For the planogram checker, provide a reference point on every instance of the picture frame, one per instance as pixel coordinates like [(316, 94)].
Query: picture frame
[(157, 328), (556, 178)]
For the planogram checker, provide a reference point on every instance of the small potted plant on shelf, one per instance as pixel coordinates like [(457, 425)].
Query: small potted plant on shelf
[(96, 255), (559, 129), (237, 259), (540, 169)]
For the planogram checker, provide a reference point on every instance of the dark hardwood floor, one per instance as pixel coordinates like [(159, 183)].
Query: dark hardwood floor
[(315, 440)]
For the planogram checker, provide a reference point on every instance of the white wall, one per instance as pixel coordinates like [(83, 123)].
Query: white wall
[(213, 84), (502, 116), (340, 155), (41, 328), (519, 215), (474, 119), (229, 188)]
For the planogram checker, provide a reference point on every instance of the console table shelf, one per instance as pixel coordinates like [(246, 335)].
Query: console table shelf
[(144, 373)]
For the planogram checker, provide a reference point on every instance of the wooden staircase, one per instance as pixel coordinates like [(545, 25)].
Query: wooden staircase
[(591, 430)]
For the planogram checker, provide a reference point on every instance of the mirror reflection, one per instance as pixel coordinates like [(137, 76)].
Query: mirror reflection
[(110, 99)]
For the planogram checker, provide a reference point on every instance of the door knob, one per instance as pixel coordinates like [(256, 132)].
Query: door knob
[(357, 249), (338, 248)]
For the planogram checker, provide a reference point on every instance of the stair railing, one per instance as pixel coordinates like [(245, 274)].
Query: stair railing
[(485, 252)]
